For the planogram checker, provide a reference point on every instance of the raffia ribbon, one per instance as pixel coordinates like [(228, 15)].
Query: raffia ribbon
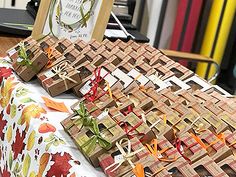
[(126, 156), (138, 169), (60, 70), (155, 123)]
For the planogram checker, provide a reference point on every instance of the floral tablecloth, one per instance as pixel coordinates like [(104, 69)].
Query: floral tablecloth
[(33, 143)]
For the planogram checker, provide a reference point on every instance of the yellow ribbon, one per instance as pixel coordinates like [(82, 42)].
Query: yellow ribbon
[(233, 143), (109, 89), (164, 119), (142, 88), (195, 121), (137, 77)]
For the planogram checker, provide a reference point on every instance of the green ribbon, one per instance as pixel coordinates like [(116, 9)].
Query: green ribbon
[(52, 6), (27, 26), (83, 118), (86, 17), (96, 138), (25, 58)]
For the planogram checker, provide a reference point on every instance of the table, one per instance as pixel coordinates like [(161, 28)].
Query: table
[(7, 41), (32, 140)]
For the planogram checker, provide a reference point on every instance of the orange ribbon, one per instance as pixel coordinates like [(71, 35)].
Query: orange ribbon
[(142, 88), (50, 54), (199, 141), (152, 148), (220, 137), (137, 77), (139, 171)]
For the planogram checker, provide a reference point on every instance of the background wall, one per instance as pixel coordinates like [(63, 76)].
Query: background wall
[(150, 19), (19, 4), (1, 3)]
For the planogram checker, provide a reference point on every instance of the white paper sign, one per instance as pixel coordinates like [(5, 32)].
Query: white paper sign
[(49, 74), (102, 115), (118, 158), (115, 33), (12, 52), (71, 19)]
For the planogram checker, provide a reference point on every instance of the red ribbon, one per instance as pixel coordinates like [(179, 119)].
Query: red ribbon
[(129, 110), (5, 73), (178, 147), (129, 132), (92, 94)]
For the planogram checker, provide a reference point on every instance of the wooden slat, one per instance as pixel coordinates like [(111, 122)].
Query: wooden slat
[(185, 55)]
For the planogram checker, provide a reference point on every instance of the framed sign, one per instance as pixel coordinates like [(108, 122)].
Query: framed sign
[(73, 19)]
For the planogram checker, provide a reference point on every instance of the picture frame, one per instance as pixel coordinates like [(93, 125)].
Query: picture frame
[(73, 19)]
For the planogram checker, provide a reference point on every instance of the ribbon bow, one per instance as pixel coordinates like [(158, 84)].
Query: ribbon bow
[(24, 58), (130, 133), (51, 53), (126, 156), (96, 138), (85, 17), (158, 154), (60, 70), (82, 118), (92, 94)]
